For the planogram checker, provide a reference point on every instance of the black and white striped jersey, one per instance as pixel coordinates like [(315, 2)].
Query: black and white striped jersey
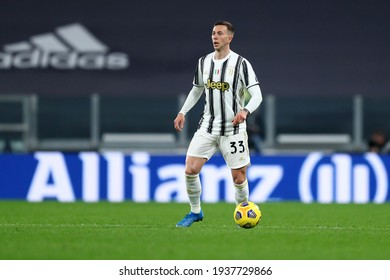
[(223, 82)]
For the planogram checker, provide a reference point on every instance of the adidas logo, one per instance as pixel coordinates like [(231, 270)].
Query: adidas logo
[(70, 47)]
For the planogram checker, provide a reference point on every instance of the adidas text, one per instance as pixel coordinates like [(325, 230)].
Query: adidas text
[(63, 60), (70, 46)]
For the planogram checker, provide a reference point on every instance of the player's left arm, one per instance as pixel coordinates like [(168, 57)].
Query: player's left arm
[(252, 85), (255, 100)]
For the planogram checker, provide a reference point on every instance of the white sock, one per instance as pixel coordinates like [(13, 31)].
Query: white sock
[(194, 191), (242, 192)]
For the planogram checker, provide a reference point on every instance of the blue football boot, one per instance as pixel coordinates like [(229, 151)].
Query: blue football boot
[(189, 219)]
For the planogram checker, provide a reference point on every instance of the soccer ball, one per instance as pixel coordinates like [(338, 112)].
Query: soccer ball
[(247, 214)]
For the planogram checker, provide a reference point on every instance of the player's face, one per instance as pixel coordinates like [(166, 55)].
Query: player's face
[(221, 37)]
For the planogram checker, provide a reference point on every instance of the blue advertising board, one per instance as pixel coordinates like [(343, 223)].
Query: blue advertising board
[(142, 177)]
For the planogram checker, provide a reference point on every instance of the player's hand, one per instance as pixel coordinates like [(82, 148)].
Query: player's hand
[(178, 123), (240, 117)]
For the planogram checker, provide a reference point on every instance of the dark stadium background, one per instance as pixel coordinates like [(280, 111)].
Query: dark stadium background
[(299, 49)]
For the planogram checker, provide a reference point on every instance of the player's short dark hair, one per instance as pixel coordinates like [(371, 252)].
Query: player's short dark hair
[(227, 24)]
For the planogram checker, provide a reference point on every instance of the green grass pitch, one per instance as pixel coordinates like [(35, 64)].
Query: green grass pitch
[(146, 231)]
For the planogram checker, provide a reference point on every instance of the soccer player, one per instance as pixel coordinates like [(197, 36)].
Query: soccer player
[(223, 75)]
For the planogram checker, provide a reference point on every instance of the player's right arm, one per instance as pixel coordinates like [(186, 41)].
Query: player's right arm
[(178, 123), (193, 95), (191, 100)]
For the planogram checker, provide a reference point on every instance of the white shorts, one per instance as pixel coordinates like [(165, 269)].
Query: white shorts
[(234, 148)]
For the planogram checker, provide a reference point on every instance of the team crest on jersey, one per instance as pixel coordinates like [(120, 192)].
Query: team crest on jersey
[(230, 71)]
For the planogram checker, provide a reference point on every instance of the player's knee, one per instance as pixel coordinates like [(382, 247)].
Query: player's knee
[(194, 165), (239, 177), (191, 170), (239, 180)]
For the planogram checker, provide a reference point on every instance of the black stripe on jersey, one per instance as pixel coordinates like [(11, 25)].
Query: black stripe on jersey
[(202, 64), (235, 84), (201, 120), (211, 105), (196, 76), (246, 76), (223, 70), (199, 71), (201, 76)]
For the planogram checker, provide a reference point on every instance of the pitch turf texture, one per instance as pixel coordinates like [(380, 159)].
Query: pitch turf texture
[(146, 231)]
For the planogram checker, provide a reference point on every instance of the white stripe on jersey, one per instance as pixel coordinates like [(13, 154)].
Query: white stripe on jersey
[(224, 82)]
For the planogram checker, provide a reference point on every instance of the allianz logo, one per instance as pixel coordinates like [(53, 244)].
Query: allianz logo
[(340, 179), (69, 47)]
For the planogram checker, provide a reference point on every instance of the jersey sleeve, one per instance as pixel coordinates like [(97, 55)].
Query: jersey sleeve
[(252, 85), (198, 76), (248, 75), (255, 99), (192, 98)]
